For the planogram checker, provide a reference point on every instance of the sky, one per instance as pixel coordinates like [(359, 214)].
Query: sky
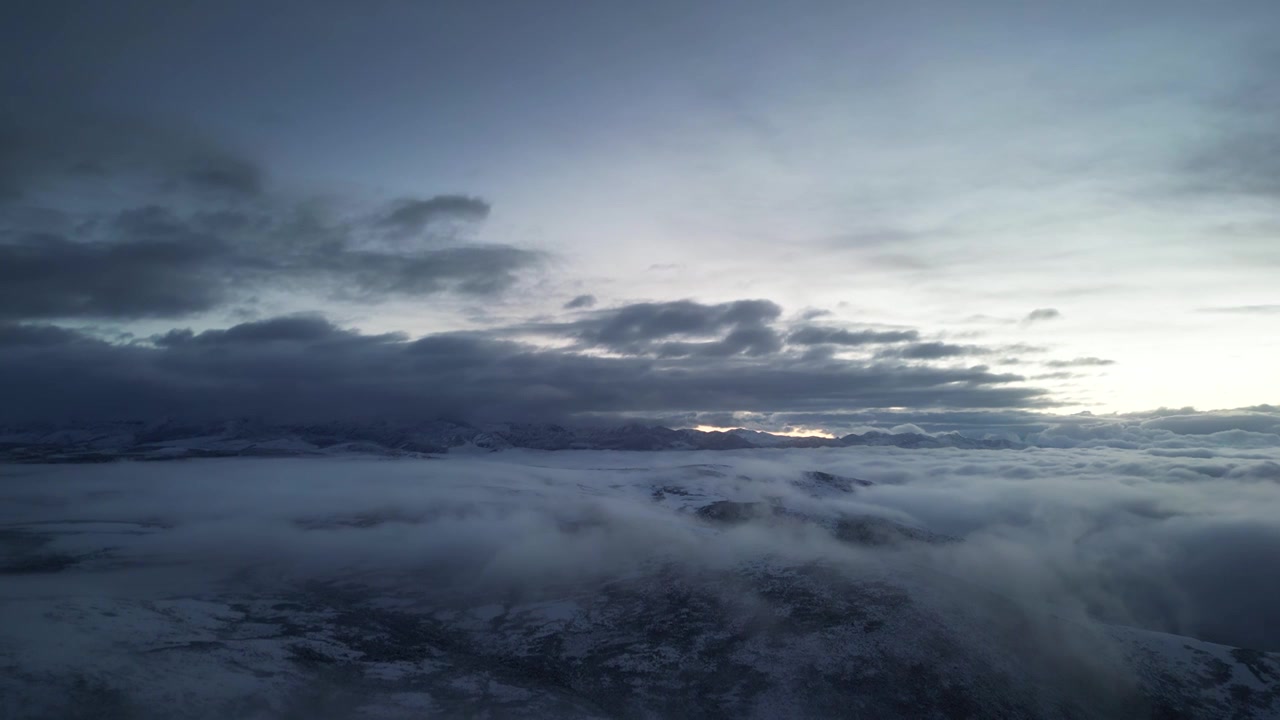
[(713, 213)]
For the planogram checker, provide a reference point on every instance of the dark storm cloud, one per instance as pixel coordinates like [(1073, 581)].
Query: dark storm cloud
[(304, 367), (580, 301), (1080, 362), (1042, 314), (814, 335)]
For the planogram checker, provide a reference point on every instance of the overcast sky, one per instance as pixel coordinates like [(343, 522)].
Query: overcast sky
[(650, 208)]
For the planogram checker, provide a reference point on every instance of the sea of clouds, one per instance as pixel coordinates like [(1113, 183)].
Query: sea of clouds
[(1175, 539)]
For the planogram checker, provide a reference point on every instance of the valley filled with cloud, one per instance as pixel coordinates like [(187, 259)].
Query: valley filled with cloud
[(1091, 580)]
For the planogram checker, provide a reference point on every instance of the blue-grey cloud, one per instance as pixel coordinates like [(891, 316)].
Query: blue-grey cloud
[(638, 325), (154, 261), (1079, 362), (816, 335), (1040, 314), (931, 351), (580, 301), (304, 367), (750, 340), (412, 217)]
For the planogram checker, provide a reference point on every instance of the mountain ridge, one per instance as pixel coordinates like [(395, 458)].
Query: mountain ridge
[(250, 437)]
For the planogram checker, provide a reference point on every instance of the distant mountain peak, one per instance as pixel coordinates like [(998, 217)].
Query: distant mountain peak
[(171, 438)]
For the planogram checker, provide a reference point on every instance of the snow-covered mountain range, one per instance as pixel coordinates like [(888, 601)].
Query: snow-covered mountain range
[(250, 438)]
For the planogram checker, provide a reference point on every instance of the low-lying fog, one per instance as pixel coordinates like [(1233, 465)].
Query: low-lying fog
[(1155, 539)]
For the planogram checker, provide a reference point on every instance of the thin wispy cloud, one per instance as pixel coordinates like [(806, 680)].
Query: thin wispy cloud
[(1041, 315), (1244, 309)]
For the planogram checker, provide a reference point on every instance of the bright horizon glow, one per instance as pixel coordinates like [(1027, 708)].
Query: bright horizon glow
[(797, 432)]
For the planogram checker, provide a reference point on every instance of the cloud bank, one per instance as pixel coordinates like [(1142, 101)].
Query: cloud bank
[(301, 367), (1167, 543)]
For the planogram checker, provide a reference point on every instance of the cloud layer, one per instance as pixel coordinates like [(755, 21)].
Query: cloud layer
[(1168, 543), (659, 360)]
